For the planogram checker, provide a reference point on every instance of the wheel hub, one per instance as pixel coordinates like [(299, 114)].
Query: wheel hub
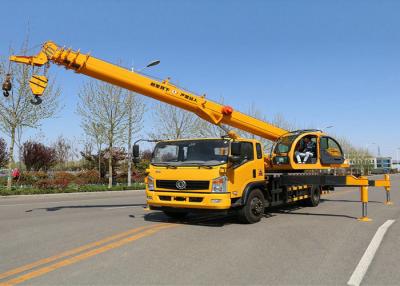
[(257, 206)]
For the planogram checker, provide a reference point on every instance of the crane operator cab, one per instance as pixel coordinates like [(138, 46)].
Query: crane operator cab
[(306, 149)]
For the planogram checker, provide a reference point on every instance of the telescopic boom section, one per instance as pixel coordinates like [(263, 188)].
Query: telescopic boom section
[(160, 90)]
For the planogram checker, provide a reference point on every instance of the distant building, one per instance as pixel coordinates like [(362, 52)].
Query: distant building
[(378, 165), (383, 165), (396, 165)]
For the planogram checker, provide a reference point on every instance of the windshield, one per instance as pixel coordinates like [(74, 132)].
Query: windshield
[(283, 145), (191, 153)]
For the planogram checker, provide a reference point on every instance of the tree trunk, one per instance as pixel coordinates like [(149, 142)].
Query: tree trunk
[(129, 160), (99, 157), (130, 123), (11, 159), (110, 169), (129, 171)]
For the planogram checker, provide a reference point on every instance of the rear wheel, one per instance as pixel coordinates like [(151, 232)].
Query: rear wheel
[(175, 214), (253, 210), (315, 196)]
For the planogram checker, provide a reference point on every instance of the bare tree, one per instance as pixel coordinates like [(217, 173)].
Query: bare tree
[(18, 142), (63, 150), (204, 128), (174, 123), (360, 158), (3, 153), (104, 104), (17, 112), (209, 130), (97, 133), (135, 110), (253, 111), (280, 121)]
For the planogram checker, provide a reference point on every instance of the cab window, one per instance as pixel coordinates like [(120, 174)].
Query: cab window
[(330, 150), (259, 151), (331, 147), (247, 151)]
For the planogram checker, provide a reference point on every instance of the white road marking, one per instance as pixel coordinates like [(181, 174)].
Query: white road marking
[(369, 254), (113, 208), (57, 202)]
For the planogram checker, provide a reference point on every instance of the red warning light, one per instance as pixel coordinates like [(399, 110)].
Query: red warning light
[(227, 110)]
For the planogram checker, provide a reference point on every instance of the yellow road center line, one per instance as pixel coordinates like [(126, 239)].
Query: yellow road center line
[(85, 255), (73, 251)]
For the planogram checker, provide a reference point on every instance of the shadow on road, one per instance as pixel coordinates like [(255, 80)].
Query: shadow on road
[(291, 210), (57, 208), (349, 201), (209, 220)]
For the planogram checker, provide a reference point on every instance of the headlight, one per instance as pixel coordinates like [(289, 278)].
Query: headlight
[(150, 183), (219, 185)]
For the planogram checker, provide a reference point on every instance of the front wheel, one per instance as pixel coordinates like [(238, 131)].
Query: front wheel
[(253, 210)]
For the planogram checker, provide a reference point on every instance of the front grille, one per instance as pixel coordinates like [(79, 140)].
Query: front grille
[(190, 185), (165, 198)]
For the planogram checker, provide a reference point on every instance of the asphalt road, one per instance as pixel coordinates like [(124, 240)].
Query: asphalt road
[(110, 239)]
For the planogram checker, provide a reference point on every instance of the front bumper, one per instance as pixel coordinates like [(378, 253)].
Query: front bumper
[(213, 201)]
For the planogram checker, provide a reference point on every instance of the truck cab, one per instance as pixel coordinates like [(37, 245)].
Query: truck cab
[(212, 174)]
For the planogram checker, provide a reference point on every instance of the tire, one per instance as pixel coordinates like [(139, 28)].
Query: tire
[(253, 210), (315, 197), (176, 214)]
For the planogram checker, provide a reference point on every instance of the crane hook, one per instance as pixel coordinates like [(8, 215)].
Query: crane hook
[(37, 100), (7, 85)]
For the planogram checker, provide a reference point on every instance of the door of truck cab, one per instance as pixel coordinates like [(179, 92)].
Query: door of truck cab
[(249, 168)]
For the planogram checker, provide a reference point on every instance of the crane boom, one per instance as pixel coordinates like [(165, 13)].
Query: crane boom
[(160, 90)]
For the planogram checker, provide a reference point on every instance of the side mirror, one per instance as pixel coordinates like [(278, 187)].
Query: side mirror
[(236, 148), (135, 151), (234, 159)]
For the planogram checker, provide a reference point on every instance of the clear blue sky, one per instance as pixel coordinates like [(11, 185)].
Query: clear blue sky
[(318, 63)]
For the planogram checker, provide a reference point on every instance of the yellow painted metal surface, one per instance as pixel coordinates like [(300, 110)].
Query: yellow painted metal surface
[(364, 194), (237, 180), (183, 200), (160, 90), (291, 154), (38, 84), (356, 181)]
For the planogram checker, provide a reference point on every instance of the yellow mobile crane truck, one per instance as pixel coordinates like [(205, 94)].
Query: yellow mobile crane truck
[(228, 173)]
